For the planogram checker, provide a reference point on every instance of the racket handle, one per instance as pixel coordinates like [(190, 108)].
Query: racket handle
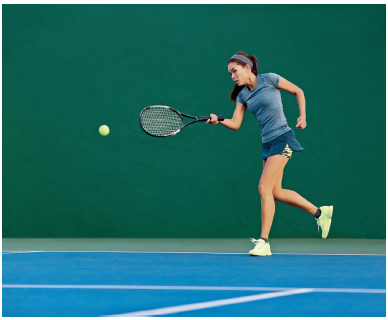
[(220, 118)]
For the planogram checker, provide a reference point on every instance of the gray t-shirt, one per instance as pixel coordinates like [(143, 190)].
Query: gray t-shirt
[(265, 102)]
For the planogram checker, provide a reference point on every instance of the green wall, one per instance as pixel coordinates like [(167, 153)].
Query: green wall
[(67, 69)]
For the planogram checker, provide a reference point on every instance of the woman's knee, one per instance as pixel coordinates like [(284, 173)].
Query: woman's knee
[(278, 194), (265, 190)]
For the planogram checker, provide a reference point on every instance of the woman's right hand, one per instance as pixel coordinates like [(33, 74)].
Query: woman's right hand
[(213, 120)]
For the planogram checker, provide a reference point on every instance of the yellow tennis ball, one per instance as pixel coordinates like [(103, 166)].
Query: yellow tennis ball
[(104, 130)]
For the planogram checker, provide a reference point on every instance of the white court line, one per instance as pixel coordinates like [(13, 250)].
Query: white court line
[(306, 254), (211, 304), (9, 252), (204, 288)]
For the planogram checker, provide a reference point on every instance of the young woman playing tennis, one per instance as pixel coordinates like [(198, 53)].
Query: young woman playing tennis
[(261, 95)]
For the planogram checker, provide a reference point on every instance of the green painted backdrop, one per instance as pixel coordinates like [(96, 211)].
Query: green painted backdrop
[(67, 69)]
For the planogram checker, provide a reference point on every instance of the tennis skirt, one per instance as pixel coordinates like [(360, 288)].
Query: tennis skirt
[(277, 145)]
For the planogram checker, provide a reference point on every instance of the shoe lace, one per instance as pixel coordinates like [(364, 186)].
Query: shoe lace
[(259, 243), (319, 224)]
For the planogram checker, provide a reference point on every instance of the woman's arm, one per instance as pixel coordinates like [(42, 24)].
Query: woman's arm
[(298, 92), (235, 122)]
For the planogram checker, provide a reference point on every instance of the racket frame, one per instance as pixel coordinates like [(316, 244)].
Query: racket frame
[(196, 119)]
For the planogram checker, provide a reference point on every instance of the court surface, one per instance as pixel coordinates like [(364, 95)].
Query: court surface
[(185, 283)]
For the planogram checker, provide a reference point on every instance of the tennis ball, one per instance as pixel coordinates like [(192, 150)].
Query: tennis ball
[(104, 130)]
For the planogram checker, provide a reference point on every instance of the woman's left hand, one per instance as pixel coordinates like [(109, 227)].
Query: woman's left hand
[(301, 123)]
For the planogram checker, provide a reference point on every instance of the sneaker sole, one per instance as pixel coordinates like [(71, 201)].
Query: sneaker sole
[(260, 255)]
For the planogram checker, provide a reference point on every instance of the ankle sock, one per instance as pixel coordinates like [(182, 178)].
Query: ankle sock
[(265, 239), (317, 214)]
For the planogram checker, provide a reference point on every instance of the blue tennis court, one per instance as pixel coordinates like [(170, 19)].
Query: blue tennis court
[(80, 284)]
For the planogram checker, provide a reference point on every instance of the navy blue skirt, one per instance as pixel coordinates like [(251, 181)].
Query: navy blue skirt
[(277, 145)]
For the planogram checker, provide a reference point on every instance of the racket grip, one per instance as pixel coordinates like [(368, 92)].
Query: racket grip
[(219, 118)]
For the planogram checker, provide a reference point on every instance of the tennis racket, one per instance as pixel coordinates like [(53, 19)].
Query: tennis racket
[(163, 121)]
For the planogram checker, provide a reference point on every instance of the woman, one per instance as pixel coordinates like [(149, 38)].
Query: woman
[(261, 94)]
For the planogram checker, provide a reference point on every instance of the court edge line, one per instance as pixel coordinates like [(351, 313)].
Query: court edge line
[(306, 254), (210, 304), (10, 252), (202, 288)]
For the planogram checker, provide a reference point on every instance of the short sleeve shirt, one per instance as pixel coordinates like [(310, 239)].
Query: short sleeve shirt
[(265, 103)]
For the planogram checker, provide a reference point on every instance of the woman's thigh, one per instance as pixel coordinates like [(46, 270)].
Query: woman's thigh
[(272, 174)]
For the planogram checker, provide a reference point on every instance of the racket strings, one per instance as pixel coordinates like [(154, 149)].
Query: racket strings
[(160, 121)]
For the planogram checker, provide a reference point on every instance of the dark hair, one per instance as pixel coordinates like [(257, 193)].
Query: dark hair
[(236, 89)]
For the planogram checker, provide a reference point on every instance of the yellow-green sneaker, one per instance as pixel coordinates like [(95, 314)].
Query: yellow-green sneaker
[(261, 249), (324, 220)]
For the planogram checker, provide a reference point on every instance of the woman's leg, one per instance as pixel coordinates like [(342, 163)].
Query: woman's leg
[(274, 166), (291, 197)]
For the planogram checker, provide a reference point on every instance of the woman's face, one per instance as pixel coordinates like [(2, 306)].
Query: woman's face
[(239, 74)]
